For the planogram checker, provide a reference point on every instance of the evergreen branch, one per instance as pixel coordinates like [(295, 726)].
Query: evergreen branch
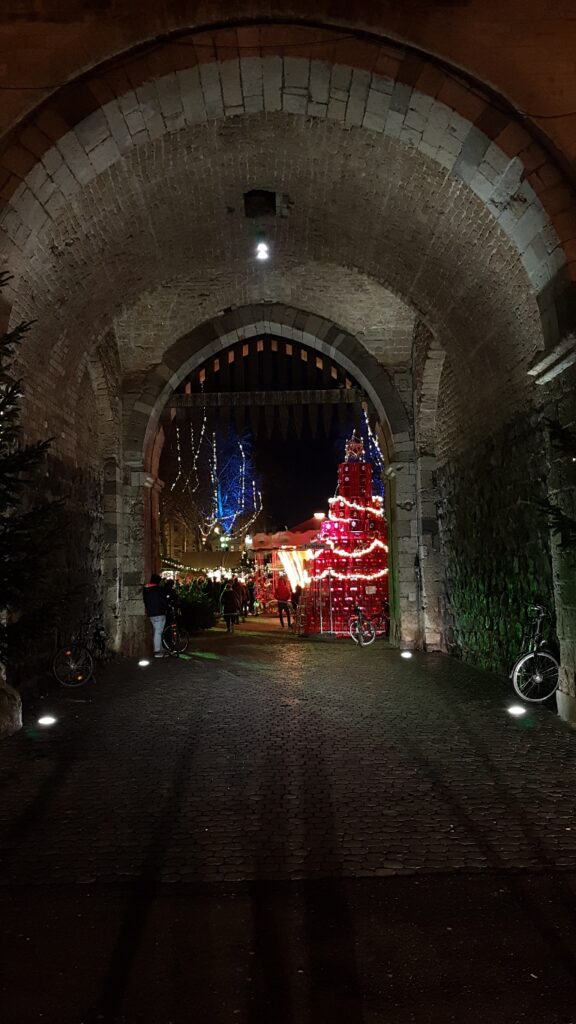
[(14, 337)]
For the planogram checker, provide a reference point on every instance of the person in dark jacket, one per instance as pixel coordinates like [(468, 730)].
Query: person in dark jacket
[(229, 607), (251, 591), (237, 588), (156, 608)]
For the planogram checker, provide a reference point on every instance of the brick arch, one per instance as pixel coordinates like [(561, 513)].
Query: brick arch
[(106, 412), (146, 402), (428, 397), (212, 337), (83, 130)]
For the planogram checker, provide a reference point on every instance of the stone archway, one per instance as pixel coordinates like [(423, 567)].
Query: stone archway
[(394, 178), (140, 447)]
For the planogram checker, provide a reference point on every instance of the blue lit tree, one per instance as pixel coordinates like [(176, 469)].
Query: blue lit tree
[(215, 490)]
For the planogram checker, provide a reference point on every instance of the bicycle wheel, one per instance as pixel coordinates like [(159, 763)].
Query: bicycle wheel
[(368, 633), (362, 634), (73, 665), (535, 676), (175, 641)]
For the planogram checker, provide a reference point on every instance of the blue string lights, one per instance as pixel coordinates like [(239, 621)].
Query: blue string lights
[(215, 483)]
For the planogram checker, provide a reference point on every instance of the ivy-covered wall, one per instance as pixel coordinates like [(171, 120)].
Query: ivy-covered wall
[(496, 542)]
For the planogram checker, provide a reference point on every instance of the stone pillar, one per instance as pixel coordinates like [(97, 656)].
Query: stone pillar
[(430, 555), (404, 540), (136, 557), (154, 543), (564, 566), (562, 494), (112, 562)]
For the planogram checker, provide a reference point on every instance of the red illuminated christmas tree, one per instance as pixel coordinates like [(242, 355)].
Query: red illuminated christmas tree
[(350, 562)]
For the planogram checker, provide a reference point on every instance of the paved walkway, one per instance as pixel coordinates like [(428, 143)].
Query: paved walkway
[(278, 830)]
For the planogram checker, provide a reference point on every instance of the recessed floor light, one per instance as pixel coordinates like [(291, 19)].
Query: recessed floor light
[(517, 710)]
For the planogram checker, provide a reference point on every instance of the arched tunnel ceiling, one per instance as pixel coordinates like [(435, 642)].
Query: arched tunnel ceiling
[(380, 211), (358, 303)]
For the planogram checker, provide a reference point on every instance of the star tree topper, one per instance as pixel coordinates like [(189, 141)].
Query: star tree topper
[(354, 449)]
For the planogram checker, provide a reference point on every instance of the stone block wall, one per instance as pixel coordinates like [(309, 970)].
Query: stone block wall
[(496, 541), (559, 407)]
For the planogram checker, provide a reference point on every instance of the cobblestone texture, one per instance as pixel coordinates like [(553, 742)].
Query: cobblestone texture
[(285, 832), (265, 757)]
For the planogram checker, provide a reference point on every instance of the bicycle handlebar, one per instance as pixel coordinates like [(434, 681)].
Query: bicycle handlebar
[(536, 610)]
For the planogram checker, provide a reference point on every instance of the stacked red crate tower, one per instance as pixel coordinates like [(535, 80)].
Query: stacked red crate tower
[(352, 566)]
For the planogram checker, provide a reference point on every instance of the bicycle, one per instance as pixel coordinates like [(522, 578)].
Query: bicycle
[(534, 675), (175, 638), (362, 631), (73, 664)]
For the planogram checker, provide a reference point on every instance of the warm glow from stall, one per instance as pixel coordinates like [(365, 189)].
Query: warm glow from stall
[(294, 567)]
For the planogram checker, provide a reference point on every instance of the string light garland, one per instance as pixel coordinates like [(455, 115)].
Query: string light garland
[(366, 576), (375, 511), (357, 553), (178, 458)]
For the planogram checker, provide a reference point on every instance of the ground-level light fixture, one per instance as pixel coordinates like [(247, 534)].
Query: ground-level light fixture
[(319, 515), (47, 720), (262, 251), (517, 710), (405, 654), (143, 663)]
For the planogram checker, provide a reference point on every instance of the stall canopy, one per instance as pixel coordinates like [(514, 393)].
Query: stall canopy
[(202, 561), (297, 536)]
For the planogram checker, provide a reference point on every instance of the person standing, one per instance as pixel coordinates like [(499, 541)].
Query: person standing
[(229, 607), (251, 589), (237, 589), (244, 602), (156, 608), (282, 595), (296, 595)]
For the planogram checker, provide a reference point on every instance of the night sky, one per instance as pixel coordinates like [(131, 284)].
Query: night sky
[(298, 476)]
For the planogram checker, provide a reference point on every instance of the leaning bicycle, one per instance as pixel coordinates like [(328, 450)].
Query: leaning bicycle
[(362, 631), (535, 674), (73, 663), (175, 638)]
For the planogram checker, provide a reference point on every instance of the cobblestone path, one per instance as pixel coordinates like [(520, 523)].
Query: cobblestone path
[(278, 830)]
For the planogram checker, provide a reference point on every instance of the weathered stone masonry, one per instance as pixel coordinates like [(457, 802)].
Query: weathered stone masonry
[(495, 541), (402, 190)]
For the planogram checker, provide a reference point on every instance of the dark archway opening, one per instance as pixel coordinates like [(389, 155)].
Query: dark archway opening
[(251, 441)]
